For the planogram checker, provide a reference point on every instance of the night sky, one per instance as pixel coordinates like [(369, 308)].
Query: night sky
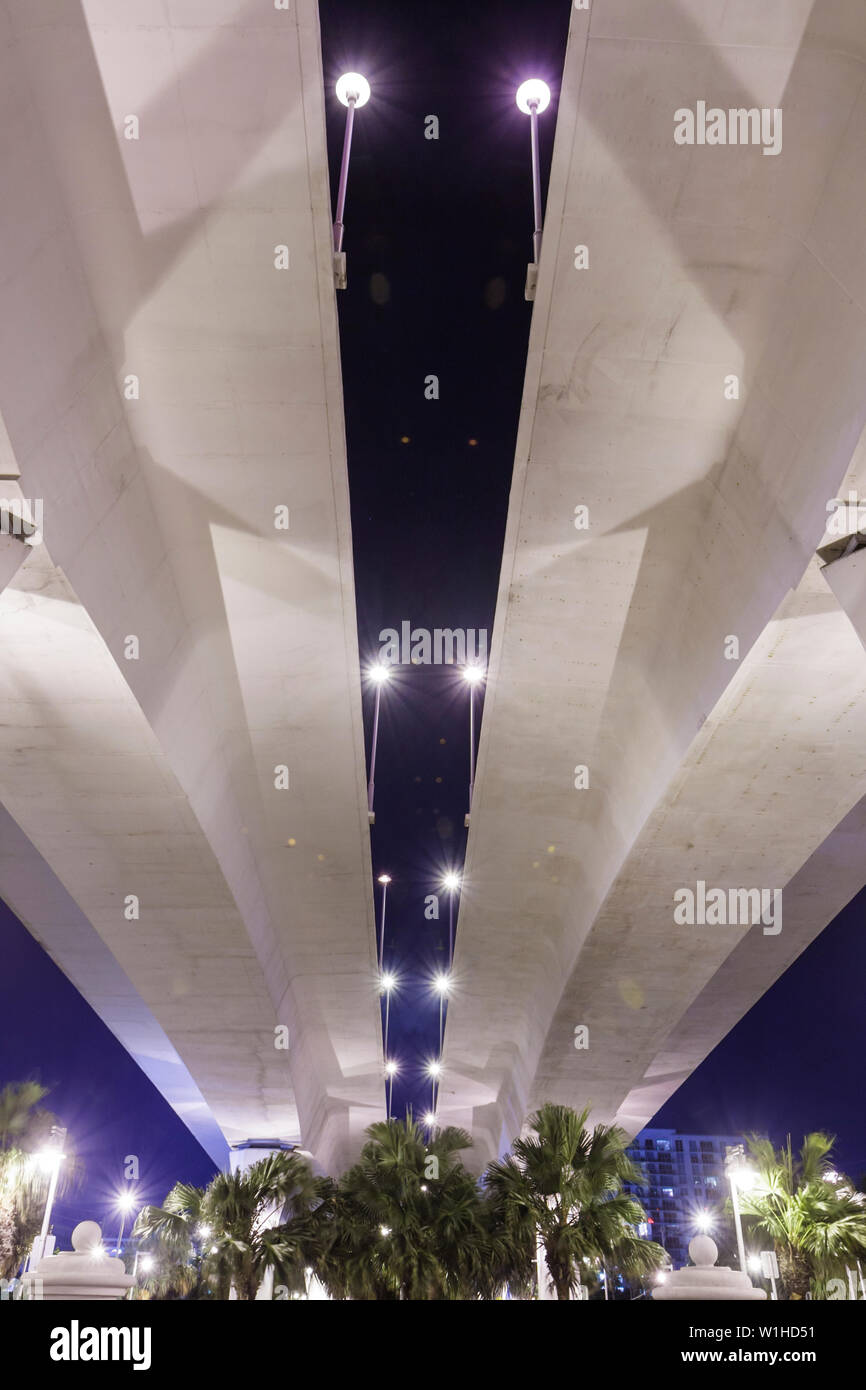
[(438, 236)]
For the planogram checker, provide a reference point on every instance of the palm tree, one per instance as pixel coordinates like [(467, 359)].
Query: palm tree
[(813, 1215), (24, 1128), (175, 1234), (408, 1221), (563, 1186), (224, 1232)]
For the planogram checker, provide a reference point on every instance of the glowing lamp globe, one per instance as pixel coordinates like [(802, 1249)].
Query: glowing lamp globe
[(534, 92), (353, 86)]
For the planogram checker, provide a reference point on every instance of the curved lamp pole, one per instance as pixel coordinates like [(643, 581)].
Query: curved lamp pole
[(389, 982), (434, 1071), (378, 675), (533, 97), (353, 91), (441, 984), (50, 1160), (391, 1070), (125, 1202), (451, 881), (473, 675), (742, 1179), (384, 879)]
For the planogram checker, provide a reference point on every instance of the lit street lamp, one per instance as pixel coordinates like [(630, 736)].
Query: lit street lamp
[(533, 97), (451, 881), (391, 1070), (473, 675), (125, 1204), (384, 879), (353, 91), (378, 675), (49, 1160), (441, 984), (434, 1071), (742, 1179), (389, 982)]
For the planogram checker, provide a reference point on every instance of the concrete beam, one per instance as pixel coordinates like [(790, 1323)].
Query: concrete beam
[(698, 390)]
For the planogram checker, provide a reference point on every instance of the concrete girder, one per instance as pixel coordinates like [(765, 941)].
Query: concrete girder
[(166, 387), (698, 388)]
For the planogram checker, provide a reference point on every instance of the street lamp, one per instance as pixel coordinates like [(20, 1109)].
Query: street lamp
[(741, 1178), (473, 675), (434, 1071), (378, 675), (353, 91), (391, 1070), (125, 1204), (384, 879), (441, 985), (388, 983), (533, 97), (49, 1160), (451, 881)]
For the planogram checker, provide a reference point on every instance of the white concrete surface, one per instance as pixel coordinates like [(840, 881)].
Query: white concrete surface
[(155, 257), (609, 645)]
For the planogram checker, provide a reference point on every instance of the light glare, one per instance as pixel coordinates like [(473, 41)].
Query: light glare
[(533, 91), (352, 84)]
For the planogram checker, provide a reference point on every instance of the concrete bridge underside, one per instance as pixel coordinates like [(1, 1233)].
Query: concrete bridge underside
[(698, 387), (172, 394)]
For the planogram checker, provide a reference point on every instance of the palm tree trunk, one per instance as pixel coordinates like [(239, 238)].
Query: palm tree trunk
[(795, 1273)]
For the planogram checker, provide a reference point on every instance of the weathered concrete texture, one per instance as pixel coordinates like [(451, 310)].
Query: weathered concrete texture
[(706, 500), (154, 258), (41, 902)]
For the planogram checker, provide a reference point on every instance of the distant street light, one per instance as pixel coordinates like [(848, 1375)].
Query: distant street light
[(378, 675), (451, 881), (384, 879), (434, 1071), (50, 1160), (473, 675), (353, 91), (125, 1204), (391, 1070), (147, 1263), (388, 982), (741, 1178), (441, 985), (533, 97)]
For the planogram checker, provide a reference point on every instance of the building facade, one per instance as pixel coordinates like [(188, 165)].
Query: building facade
[(685, 1181)]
